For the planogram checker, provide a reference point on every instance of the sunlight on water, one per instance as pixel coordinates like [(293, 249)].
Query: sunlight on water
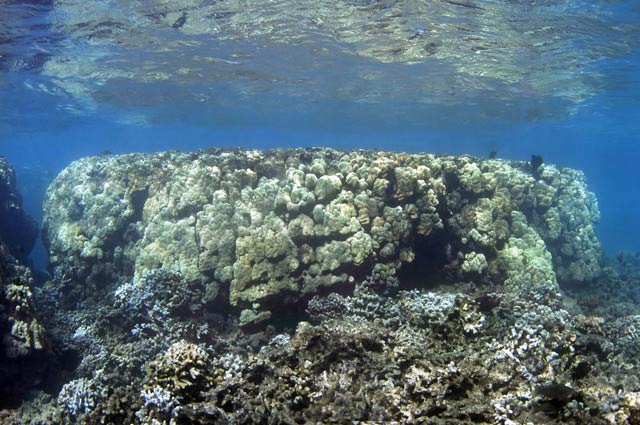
[(438, 58)]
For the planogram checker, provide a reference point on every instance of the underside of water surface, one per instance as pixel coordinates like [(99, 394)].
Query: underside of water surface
[(213, 62)]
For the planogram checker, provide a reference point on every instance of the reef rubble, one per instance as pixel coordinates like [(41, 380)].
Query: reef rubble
[(320, 286)]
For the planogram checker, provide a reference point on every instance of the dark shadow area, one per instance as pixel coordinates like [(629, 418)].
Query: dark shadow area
[(431, 266), (20, 375), (61, 366), (32, 184)]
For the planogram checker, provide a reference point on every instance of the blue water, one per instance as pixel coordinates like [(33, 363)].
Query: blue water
[(74, 83)]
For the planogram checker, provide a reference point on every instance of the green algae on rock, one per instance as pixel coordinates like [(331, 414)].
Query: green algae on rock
[(257, 229)]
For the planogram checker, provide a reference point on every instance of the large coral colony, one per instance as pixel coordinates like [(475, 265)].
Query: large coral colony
[(318, 286)]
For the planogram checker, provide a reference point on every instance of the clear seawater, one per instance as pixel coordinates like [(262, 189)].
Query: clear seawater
[(557, 78)]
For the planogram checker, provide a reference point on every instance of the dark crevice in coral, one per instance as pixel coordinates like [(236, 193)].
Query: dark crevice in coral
[(138, 199), (268, 169), (344, 289), (430, 267), (18, 375), (315, 241), (62, 362), (451, 181), (18, 230), (287, 310)]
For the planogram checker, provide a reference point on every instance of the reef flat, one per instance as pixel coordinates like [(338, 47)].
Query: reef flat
[(323, 286)]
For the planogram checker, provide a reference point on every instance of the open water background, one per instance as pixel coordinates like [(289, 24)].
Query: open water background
[(556, 78)]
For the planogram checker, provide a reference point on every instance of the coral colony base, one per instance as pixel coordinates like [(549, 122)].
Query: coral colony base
[(320, 286)]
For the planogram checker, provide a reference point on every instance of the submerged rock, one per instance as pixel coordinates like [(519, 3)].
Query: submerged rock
[(22, 350), (22, 337), (258, 229), (319, 286)]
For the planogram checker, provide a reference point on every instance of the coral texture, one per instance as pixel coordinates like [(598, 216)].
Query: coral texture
[(420, 356), (257, 228), (319, 286)]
